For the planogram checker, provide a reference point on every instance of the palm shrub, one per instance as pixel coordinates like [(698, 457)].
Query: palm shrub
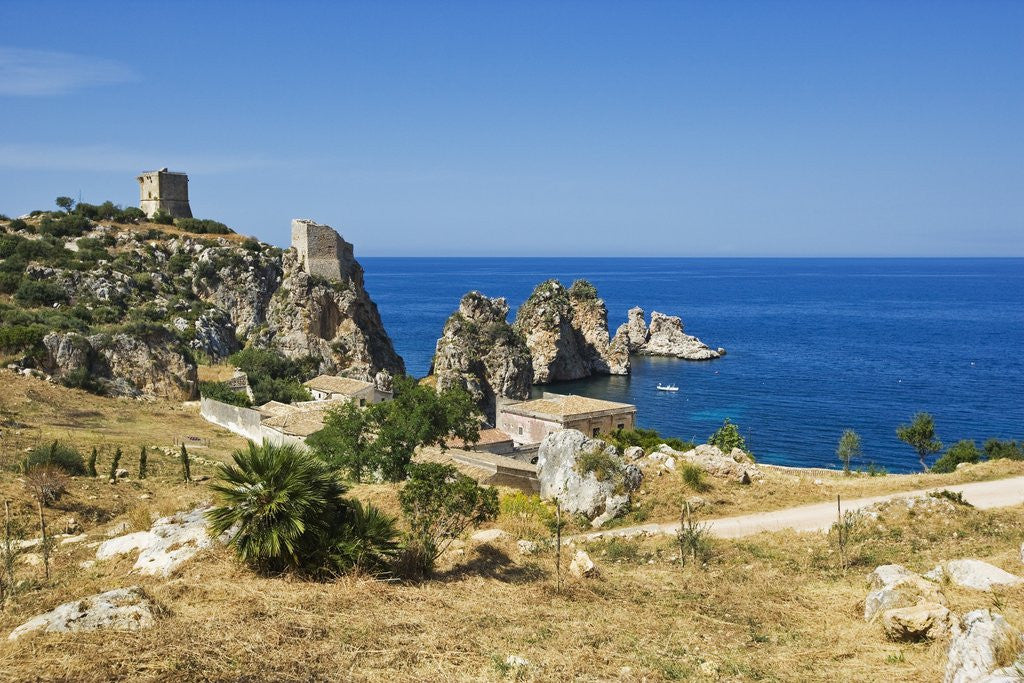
[(285, 510)]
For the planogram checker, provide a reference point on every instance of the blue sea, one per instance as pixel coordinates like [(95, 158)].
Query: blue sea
[(815, 346)]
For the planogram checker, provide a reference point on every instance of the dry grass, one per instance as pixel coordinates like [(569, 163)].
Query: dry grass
[(770, 607)]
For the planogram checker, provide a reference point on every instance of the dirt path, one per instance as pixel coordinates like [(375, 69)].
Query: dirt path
[(820, 516)]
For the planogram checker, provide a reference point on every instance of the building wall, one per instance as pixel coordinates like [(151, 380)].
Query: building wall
[(161, 191), (242, 421), (321, 250), (526, 430), (603, 424)]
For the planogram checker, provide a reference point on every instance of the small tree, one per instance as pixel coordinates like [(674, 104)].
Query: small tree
[(10, 550), (960, 452), (920, 435), (345, 441), (728, 437), (439, 503), (47, 483), (186, 466), (114, 464), (848, 448), (142, 463), (66, 203), (92, 463)]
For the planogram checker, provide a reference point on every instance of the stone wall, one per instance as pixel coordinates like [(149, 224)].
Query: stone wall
[(242, 421), (321, 250), (164, 191)]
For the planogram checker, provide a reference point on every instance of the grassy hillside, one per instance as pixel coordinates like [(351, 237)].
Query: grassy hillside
[(771, 607)]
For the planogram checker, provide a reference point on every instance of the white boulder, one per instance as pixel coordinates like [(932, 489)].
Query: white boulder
[(527, 547), (122, 609), (894, 586), (736, 465), (974, 574), (487, 535), (169, 543), (600, 495), (927, 620), (582, 566), (122, 545), (977, 643)]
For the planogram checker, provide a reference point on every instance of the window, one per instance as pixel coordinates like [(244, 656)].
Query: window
[(362, 402), (520, 430), (597, 430), (621, 426)]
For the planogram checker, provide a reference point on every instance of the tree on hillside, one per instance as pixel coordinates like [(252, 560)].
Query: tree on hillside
[(381, 438), (960, 452), (920, 435), (728, 437), (66, 203), (848, 448), (439, 503)]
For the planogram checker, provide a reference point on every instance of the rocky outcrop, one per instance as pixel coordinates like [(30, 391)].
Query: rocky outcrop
[(924, 621), (893, 586), (566, 331), (974, 574), (979, 641), (150, 362), (122, 609), (335, 322), (582, 567), (664, 337), (585, 475), (161, 298), (480, 352), (169, 543), (737, 465)]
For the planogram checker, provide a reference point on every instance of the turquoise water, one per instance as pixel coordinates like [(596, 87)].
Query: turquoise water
[(815, 345)]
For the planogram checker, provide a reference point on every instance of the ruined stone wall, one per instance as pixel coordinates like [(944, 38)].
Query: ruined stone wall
[(321, 250)]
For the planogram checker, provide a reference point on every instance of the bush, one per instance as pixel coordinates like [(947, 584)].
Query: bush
[(288, 512), (71, 225), (81, 378), (526, 516), (39, 293), (1011, 450), (961, 451), (219, 391), (728, 437), (203, 226), (582, 290), (604, 466), (162, 218), (27, 339), (439, 504), (693, 476), (18, 224), (647, 439), (56, 454), (272, 377)]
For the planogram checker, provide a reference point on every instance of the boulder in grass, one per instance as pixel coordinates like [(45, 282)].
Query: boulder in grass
[(924, 621), (974, 574), (121, 609), (979, 642), (894, 586)]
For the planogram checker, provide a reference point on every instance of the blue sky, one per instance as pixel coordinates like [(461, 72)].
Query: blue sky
[(528, 129)]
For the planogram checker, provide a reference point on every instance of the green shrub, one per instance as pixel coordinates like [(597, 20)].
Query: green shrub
[(19, 224), (1011, 450), (604, 466), (219, 391), (647, 439), (202, 226), (693, 476), (81, 378), (70, 225), (22, 338), (287, 510), (9, 244), (956, 497), (39, 293), (57, 454), (728, 437), (273, 377), (9, 282), (961, 451), (582, 290), (161, 217)]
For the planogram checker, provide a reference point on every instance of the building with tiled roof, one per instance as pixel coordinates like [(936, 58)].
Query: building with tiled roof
[(528, 422), (333, 387)]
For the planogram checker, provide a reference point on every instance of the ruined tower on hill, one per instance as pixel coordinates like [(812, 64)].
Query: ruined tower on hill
[(165, 191), (321, 250)]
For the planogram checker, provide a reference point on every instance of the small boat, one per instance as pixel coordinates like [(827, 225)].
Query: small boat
[(667, 387)]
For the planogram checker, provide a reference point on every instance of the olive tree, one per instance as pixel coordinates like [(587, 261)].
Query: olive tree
[(920, 435)]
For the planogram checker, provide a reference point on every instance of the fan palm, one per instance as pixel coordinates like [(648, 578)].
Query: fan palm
[(274, 499)]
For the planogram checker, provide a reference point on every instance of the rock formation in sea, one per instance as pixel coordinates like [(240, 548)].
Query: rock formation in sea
[(664, 337), (566, 331), (135, 307), (481, 352)]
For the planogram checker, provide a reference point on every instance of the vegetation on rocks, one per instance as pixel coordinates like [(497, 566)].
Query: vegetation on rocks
[(647, 439), (728, 437)]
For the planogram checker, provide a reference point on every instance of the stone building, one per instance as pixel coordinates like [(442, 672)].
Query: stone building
[(332, 387), (321, 250), (165, 191), (528, 422)]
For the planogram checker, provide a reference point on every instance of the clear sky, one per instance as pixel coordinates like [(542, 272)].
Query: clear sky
[(536, 128)]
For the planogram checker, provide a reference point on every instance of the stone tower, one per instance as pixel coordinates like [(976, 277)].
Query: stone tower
[(165, 191), (321, 250)]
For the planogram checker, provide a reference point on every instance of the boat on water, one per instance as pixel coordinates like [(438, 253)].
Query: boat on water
[(667, 387)]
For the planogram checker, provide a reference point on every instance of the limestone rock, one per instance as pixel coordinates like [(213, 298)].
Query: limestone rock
[(480, 352), (664, 337), (894, 586), (974, 574), (122, 609), (927, 620), (169, 543), (582, 566), (976, 646), (633, 453), (566, 332), (488, 535), (526, 547), (736, 466), (582, 492)]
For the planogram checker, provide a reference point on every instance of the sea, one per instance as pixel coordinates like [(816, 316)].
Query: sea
[(815, 346)]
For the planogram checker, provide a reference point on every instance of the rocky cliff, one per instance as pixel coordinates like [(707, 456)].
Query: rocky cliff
[(664, 337), (135, 307), (566, 331), (481, 352)]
